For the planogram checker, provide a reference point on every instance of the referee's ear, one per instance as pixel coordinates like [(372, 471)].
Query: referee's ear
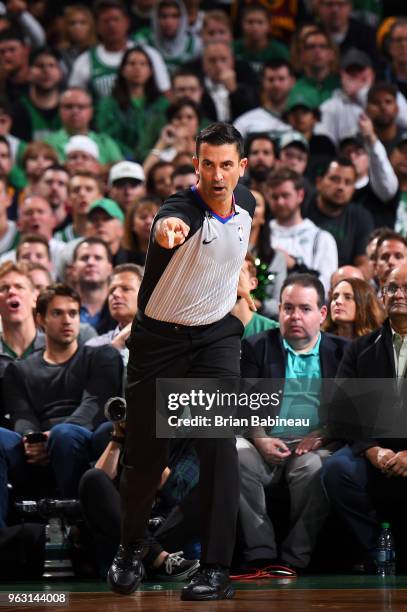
[(242, 165)]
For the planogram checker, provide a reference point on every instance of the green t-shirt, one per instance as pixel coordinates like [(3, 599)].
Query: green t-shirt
[(321, 91), (109, 151), (42, 124), (256, 59), (127, 127), (257, 324)]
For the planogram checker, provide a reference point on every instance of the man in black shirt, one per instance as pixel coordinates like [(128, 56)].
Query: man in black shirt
[(333, 211), (184, 328), (58, 393)]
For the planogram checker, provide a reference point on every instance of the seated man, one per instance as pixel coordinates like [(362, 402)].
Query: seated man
[(19, 337), (368, 476), (298, 350), (124, 285), (58, 392)]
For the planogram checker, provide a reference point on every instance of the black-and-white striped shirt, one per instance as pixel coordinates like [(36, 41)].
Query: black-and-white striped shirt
[(196, 283)]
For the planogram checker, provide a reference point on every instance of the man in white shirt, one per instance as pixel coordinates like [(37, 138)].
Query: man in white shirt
[(277, 80), (306, 246)]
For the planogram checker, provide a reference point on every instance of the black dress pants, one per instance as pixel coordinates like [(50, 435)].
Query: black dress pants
[(163, 350)]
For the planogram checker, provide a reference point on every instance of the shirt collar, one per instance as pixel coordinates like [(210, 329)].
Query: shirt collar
[(313, 351)]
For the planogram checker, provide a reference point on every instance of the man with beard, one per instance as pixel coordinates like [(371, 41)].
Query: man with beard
[(277, 81), (93, 265), (306, 247), (36, 115), (382, 108), (333, 211), (53, 186), (261, 158)]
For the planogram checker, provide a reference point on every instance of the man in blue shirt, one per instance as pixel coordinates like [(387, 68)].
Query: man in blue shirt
[(298, 350)]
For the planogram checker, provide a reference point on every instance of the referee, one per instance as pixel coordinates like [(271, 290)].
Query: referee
[(184, 328)]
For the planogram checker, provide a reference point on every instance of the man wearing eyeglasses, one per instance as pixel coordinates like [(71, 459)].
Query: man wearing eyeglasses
[(76, 111), (368, 476)]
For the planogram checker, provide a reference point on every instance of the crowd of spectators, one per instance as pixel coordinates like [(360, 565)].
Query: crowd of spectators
[(100, 105)]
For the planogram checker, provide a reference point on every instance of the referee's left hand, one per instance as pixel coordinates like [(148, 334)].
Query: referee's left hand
[(171, 232), (243, 290)]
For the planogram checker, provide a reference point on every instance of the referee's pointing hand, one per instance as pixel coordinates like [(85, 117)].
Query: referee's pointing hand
[(171, 232)]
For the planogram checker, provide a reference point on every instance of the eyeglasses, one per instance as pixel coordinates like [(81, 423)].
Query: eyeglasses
[(72, 106), (392, 289)]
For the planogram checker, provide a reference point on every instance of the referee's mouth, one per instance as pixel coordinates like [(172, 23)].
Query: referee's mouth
[(219, 188)]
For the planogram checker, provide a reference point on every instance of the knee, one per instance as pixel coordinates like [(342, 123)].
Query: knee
[(67, 438), (305, 467), (91, 483), (337, 469)]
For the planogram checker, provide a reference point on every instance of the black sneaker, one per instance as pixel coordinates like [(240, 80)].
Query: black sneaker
[(208, 584), (175, 568), (127, 571)]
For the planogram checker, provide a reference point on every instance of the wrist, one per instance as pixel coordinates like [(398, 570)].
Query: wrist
[(117, 439)]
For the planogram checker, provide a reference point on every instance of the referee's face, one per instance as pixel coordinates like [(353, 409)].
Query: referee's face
[(219, 169)]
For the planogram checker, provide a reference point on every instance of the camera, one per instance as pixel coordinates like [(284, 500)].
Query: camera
[(47, 508), (115, 409)]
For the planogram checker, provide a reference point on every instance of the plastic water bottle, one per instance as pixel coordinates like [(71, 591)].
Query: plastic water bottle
[(385, 554)]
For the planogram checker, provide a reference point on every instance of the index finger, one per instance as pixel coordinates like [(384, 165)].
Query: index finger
[(170, 236)]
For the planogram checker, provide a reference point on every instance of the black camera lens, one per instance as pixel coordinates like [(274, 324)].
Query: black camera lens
[(115, 409)]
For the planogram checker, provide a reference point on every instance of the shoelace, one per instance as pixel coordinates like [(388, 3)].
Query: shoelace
[(174, 560), (270, 571)]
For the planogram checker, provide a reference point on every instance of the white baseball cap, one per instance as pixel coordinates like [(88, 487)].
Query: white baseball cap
[(82, 143), (126, 169)]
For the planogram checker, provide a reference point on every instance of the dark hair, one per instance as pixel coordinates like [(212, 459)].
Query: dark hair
[(305, 280), (183, 170), (92, 240), (103, 5), (36, 53), (6, 106), (128, 267), (32, 239), (130, 239), (341, 161), (12, 33), (174, 108), (277, 177), (389, 235), (4, 140), (150, 180), (185, 71), (275, 64), (55, 168), (368, 313), (255, 8), (120, 90), (219, 134), (167, 4), (388, 88), (47, 295), (258, 136)]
